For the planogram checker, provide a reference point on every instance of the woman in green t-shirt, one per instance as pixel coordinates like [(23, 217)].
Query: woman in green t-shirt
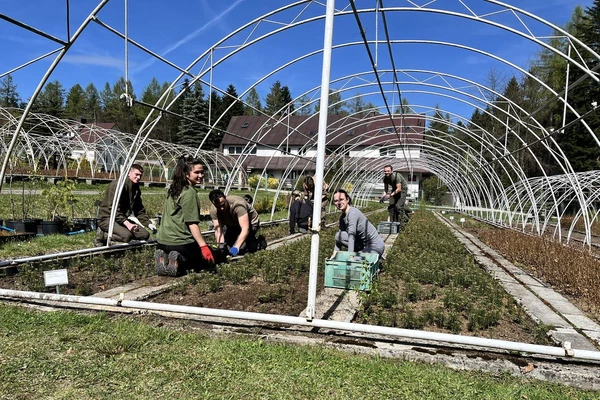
[(180, 242)]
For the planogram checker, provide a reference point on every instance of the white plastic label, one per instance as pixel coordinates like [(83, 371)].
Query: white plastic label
[(462, 220), (56, 277), (452, 218)]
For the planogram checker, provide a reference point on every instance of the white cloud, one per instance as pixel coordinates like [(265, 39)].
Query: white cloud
[(190, 36)]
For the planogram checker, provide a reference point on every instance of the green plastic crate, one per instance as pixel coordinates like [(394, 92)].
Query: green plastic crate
[(389, 228), (345, 273)]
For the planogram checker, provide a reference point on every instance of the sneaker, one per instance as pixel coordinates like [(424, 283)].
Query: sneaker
[(172, 269), (159, 262)]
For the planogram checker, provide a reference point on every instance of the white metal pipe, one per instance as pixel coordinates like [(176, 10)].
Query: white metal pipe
[(319, 323), (73, 253), (320, 160), (59, 297)]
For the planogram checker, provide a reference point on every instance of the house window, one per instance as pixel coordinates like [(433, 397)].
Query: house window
[(387, 152), (350, 133), (238, 150), (407, 128), (390, 130), (245, 124)]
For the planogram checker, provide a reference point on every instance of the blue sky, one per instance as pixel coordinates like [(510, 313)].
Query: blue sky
[(182, 30)]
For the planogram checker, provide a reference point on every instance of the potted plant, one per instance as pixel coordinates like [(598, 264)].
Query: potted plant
[(26, 223), (58, 200)]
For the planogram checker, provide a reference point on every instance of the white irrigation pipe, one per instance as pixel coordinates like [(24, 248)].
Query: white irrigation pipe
[(565, 351)]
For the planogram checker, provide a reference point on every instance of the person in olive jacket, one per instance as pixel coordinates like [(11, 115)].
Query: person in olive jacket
[(130, 211), (395, 189)]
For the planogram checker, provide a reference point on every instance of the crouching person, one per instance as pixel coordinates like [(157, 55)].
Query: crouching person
[(180, 243), (355, 232), (236, 223), (130, 218)]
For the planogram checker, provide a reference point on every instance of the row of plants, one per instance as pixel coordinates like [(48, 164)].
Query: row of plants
[(572, 270), (273, 281), (90, 273), (430, 281)]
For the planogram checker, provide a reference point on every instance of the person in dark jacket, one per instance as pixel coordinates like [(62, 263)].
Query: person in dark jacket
[(309, 194), (301, 211), (129, 206), (395, 188)]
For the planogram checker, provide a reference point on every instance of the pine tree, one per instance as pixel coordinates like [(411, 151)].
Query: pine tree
[(304, 107), (576, 142), (214, 139), (287, 99), (109, 102), (192, 129), (51, 100), (75, 105), (336, 105), (356, 105), (93, 103), (253, 105), (274, 100), (150, 95), (9, 97), (405, 108), (231, 98)]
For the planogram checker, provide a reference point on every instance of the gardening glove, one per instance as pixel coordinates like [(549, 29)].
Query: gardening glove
[(207, 254), (381, 199), (152, 227), (386, 197), (234, 251)]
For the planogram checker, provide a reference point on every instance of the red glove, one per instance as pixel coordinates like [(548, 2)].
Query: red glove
[(207, 254)]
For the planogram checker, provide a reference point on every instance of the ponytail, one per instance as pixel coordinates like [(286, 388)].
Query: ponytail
[(179, 181)]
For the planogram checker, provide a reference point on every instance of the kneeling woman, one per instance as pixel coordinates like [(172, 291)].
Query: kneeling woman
[(180, 241), (356, 232)]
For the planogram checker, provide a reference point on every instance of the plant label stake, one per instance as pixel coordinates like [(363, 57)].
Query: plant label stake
[(452, 218), (462, 222), (56, 278)]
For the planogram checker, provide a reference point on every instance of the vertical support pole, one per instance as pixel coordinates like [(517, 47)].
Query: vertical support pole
[(320, 161), (210, 88), (564, 118)]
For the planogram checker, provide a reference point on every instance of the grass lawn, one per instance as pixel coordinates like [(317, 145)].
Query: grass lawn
[(64, 355)]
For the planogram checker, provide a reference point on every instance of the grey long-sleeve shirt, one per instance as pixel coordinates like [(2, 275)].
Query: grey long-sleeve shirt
[(361, 233)]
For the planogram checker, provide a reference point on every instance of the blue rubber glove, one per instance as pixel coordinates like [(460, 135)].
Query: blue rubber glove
[(234, 251)]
